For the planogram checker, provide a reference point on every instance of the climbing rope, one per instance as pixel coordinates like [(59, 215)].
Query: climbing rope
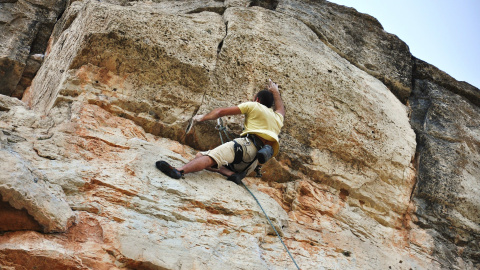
[(271, 224), (221, 128)]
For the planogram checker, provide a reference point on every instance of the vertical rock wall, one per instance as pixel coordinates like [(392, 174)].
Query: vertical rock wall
[(357, 185), (25, 27), (360, 39), (446, 117)]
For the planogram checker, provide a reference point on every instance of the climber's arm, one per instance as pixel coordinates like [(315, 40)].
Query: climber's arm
[(216, 113)]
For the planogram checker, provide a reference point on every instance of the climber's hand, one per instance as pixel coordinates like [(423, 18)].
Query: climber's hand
[(198, 118), (272, 87)]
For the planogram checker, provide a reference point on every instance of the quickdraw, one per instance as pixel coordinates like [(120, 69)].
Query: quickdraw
[(220, 127)]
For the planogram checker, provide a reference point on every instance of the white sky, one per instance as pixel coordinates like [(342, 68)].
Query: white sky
[(444, 33)]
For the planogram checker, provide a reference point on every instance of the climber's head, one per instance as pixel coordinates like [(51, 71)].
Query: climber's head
[(264, 97)]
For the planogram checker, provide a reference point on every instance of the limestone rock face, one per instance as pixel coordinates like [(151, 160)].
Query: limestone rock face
[(360, 39), (129, 215), (6, 103), (447, 120), (21, 188), (117, 90), (24, 187), (329, 125), (25, 27), (155, 68)]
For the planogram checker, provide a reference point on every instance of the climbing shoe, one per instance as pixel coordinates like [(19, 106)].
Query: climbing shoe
[(237, 177), (264, 154), (164, 167)]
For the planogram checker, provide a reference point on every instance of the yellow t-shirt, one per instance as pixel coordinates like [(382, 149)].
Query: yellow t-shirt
[(262, 121)]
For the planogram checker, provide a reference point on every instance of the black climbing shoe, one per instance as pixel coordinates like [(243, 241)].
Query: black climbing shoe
[(237, 177), (168, 170), (264, 154)]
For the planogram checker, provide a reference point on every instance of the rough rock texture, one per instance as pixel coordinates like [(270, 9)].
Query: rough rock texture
[(6, 103), (16, 220), (446, 117), (117, 91), (25, 27), (22, 185), (23, 188), (360, 39), (129, 214)]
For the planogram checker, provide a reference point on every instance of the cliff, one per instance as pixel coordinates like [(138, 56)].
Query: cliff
[(379, 162)]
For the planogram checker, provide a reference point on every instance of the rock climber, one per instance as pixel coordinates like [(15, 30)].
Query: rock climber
[(257, 143)]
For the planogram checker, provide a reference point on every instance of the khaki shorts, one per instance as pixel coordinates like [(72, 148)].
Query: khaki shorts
[(225, 154)]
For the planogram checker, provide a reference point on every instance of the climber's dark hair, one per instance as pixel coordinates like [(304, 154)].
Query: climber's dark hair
[(265, 97)]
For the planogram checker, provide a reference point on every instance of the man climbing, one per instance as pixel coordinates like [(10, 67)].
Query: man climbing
[(257, 143)]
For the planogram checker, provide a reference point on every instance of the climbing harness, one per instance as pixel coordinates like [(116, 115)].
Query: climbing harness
[(220, 128), (238, 149)]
